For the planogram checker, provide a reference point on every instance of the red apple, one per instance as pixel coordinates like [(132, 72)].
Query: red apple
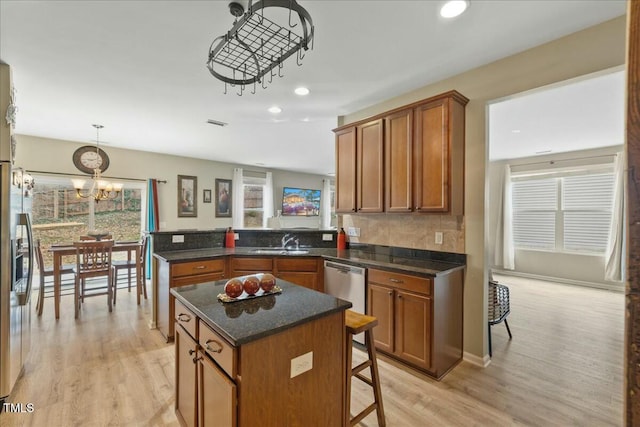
[(267, 282), (233, 288), (251, 285)]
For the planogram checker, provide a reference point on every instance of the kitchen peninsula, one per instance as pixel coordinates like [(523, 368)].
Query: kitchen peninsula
[(279, 359)]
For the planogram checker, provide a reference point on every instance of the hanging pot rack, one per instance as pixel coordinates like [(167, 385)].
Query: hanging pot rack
[(255, 47)]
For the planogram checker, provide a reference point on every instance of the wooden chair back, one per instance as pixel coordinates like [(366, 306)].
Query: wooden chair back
[(86, 238), (93, 258)]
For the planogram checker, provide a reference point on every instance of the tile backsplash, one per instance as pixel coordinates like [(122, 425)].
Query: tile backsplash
[(416, 231)]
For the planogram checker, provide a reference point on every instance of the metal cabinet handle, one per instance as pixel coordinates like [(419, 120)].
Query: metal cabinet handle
[(390, 293), (184, 317), (200, 267), (195, 359), (218, 350), (191, 352), (396, 280), (400, 296)]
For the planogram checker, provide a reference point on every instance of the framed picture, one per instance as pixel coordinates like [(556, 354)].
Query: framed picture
[(206, 196), (223, 198), (187, 200)]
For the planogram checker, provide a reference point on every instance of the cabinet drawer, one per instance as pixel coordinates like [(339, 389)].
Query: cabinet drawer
[(186, 319), (252, 264), (197, 267), (195, 279), (220, 350), (401, 281), (297, 264)]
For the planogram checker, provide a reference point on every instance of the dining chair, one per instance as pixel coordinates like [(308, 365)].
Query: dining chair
[(132, 265), (44, 272), (86, 238), (93, 259)]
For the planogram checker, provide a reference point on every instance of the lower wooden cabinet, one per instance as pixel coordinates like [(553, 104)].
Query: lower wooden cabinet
[(186, 377), (174, 274), (303, 271), (404, 324), (419, 319), (217, 395)]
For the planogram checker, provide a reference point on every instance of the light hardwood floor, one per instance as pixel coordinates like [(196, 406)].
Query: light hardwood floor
[(563, 367)]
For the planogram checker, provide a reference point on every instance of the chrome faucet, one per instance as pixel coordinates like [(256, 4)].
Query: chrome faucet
[(288, 238)]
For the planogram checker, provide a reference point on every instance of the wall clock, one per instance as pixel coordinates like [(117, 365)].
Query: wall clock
[(89, 157)]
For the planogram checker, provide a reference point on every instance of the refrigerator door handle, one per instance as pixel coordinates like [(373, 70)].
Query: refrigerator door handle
[(23, 298)]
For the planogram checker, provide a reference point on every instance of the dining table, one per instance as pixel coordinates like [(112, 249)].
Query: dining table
[(132, 248)]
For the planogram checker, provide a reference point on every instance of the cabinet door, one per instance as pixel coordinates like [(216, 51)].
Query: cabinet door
[(413, 328), (186, 373), (308, 280), (370, 167), (398, 158), (380, 305), (431, 151), (346, 170), (217, 404)]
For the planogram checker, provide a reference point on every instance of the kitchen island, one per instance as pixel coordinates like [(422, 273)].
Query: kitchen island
[(274, 360)]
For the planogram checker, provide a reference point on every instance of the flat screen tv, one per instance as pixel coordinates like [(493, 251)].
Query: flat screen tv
[(300, 202)]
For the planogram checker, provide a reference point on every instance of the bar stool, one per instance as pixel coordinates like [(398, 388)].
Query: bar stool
[(355, 324)]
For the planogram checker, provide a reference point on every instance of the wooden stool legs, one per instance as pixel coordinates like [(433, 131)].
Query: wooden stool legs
[(370, 363)]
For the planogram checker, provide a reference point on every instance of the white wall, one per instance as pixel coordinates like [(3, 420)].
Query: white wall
[(575, 268), (51, 155)]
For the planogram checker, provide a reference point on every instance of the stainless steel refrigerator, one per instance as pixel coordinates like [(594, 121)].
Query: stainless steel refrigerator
[(16, 275), (16, 248)]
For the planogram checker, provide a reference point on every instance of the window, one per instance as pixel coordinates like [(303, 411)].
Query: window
[(253, 205), (563, 212), (58, 216)]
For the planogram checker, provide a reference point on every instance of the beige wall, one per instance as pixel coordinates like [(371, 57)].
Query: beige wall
[(50, 155), (594, 49)]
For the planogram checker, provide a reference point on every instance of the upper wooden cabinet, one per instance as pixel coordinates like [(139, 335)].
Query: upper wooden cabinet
[(407, 159), (370, 167), (346, 170), (398, 147), (439, 156)]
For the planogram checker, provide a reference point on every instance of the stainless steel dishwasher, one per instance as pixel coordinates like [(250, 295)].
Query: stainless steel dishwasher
[(348, 283)]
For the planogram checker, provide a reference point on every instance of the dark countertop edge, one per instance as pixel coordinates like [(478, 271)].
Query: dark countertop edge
[(199, 254), (267, 230), (238, 342)]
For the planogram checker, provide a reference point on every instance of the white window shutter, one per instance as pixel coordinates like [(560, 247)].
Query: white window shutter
[(534, 213)]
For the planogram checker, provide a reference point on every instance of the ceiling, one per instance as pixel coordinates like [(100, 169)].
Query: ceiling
[(138, 68)]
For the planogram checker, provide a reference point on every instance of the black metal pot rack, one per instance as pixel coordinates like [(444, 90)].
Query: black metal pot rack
[(255, 46)]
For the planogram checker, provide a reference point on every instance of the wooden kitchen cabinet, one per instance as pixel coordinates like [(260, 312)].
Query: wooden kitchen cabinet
[(370, 167), (410, 158), (439, 155), (186, 377), (174, 274), (346, 170), (404, 320), (398, 149), (303, 271), (242, 266), (205, 396), (419, 318)]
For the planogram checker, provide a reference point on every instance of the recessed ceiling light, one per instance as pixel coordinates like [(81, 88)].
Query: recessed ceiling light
[(302, 91), (453, 8), (275, 109), (306, 119), (515, 131)]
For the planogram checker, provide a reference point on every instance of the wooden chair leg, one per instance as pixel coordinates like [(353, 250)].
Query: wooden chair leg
[(489, 329), (109, 292), (40, 303), (76, 296)]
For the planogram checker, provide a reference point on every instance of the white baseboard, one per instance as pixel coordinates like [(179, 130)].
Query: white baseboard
[(483, 362), (605, 286)]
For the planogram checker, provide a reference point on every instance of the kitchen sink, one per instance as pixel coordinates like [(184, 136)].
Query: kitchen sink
[(279, 251)]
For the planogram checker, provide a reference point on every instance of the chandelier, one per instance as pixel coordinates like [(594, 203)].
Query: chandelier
[(256, 46), (100, 189)]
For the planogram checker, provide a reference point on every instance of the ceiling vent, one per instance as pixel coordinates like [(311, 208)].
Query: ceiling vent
[(217, 123)]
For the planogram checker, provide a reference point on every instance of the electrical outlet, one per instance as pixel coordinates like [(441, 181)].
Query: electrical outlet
[(177, 238), (236, 236), (353, 231), (301, 364), (438, 237), (327, 237)]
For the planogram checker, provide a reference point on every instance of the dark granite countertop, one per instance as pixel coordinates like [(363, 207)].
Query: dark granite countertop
[(361, 258), (244, 321)]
